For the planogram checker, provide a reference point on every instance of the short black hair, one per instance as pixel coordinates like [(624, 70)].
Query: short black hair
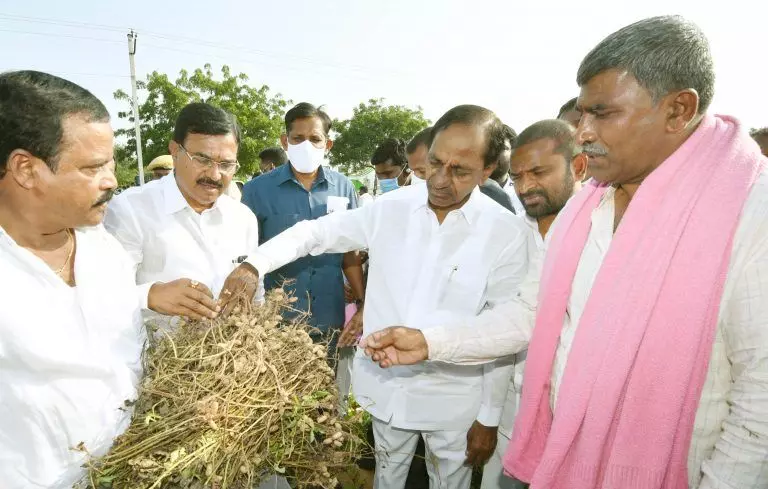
[(569, 105), (390, 149), (422, 137), (33, 106), (664, 54), (510, 135), (274, 154), (558, 130), (363, 189), (202, 118), (475, 115), (502, 169), (305, 110)]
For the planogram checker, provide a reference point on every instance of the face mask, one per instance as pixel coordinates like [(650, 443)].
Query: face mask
[(416, 180), (388, 185), (304, 157)]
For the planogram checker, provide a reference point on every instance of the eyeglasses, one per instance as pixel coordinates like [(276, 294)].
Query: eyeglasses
[(225, 167)]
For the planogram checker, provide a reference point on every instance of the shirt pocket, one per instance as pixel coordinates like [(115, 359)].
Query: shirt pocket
[(462, 288)]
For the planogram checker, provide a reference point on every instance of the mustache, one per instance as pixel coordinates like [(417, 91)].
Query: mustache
[(211, 182), (533, 193), (106, 197), (592, 149)]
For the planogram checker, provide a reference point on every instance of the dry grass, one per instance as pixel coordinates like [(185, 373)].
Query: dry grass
[(226, 402)]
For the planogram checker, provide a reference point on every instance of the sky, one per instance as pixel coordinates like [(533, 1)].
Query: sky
[(516, 58)]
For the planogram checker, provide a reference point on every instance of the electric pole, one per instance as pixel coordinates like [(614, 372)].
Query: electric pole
[(132, 36)]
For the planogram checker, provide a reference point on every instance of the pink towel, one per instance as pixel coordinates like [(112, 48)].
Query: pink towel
[(635, 372)]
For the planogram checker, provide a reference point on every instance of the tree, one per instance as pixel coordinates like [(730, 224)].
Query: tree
[(370, 124), (259, 114)]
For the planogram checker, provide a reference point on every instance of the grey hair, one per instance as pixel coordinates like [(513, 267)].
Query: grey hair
[(664, 54), (557, 130), (759, 133)]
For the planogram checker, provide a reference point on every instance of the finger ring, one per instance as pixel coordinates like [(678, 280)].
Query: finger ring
[(194, 284), (226, 292)]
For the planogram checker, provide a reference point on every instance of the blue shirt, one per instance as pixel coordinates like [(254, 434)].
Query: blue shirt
[(280, 201)]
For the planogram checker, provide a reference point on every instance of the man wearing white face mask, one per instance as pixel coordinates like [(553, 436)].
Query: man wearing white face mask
[(391, 165), (305, 190)]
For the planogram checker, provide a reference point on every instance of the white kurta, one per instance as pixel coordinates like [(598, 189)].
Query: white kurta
[(167, 240), (729, 448), (69, 359), (422, 274)]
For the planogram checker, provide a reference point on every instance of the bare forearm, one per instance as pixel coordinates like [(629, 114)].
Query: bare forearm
[(353, 270)]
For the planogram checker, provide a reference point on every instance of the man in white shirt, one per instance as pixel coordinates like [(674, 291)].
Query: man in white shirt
[(364, 198), (501, 174), (183, 234), (642, 90), (547, 167), (465, 253), (70, 326)]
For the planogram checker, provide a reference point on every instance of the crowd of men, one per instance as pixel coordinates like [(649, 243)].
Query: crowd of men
[(582, 304)]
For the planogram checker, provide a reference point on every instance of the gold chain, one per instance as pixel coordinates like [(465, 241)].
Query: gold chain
[(69, 256)]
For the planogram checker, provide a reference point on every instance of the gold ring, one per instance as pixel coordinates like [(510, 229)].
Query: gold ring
[(194, 284)]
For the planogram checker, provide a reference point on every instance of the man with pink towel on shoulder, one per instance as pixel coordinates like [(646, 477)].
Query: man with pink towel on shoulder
[(648, 363)]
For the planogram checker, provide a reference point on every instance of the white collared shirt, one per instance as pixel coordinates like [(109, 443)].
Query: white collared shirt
[(729, 447), (509, 188), (69, 359), (168, 240), (422, 273)]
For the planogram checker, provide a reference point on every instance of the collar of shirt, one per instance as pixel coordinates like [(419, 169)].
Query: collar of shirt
[(173, 199), (470, 211), (284, 173)]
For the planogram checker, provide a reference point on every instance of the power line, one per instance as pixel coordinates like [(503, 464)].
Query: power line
[(67, 23), (158, 35), (50, 34), (168, 48), (203, 42)]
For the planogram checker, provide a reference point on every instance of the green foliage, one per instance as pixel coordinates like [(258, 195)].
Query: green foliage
[(125, 167), (259, 114), (371, 123)]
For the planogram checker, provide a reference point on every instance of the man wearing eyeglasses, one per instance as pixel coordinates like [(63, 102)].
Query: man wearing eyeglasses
[(185, 238)]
